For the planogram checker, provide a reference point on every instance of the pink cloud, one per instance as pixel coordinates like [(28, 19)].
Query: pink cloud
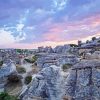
[(65, 33), (68, 31)]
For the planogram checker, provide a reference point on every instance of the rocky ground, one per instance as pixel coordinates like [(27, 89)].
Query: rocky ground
[(53, 76)]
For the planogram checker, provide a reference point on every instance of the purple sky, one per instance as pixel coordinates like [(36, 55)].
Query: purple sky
[(33, 23)]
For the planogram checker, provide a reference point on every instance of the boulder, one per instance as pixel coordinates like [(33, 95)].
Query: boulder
[(5, 71)]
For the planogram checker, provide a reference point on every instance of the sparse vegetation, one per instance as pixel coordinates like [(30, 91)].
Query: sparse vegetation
[(66, 66), (6, 96), (1, 63), (28, 79), (29, 60), (21, 70), (34, 58), (87, 41), (98, 41), (13, 78), (19, 50), (93, 38), (73, 45)]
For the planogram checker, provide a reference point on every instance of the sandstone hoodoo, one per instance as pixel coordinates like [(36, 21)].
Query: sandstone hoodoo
[(46, 85), (83, 82)]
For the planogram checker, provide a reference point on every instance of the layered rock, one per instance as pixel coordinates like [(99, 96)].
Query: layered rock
[(56, 59), (45, 86), (62, 49), (46, 61), (95, 55), (83, 83), (45, 49)]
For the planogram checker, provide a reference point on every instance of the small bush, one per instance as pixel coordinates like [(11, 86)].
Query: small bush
[(93, 38), (21, 70), (13, 78), (28, 79), (66, 66), (29, 60), (73, 45), (33, 60), (6, 96), (1, 63)]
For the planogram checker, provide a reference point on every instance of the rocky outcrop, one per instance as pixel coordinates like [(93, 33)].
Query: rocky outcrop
[(68, 59), (5, 71), (62, 49), (46, 61), (56, 59), (45, 86), (47, 49), (95, 55), (83, 83)]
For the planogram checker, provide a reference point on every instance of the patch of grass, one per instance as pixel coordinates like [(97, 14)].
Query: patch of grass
[(21, 70), (66, 66), (6, 96), (28, 79)]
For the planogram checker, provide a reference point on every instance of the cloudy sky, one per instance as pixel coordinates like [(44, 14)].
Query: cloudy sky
[(33, 23)]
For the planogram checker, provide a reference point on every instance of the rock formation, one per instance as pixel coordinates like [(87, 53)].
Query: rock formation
[(5, 71), (62, 49), (56, 59), (95, 55), (45, 86), (83, 83)]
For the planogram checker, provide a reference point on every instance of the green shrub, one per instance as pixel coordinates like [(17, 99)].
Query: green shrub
[(21, 70), (33, 60), (28, 79), (29, 60), (73, 45), (66, 66), (6, 96), (19, 50), (1, 63), (13, 78)]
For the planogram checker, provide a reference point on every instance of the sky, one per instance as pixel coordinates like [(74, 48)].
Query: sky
[(33, 23)]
